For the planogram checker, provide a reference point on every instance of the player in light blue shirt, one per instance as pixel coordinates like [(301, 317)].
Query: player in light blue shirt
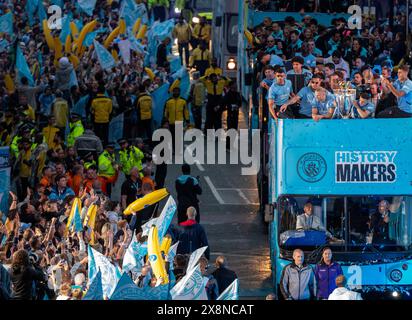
[(324, 106), (297, 64), (279, 94), (402, 90), (306, 97), (363, 108)]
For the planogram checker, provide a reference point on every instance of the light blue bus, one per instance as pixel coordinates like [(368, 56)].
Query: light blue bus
[(345, 168)]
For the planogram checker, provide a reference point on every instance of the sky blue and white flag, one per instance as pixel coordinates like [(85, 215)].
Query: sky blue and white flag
[(126, 289), (87, 6), (73, 79), (80, 106), (116, 128), (58, 3), (133, 258), (163, 221), (124, 47), (31, 7), (77, 220), (22, 67), (175, 64), (95, 291), (105, 58), (135, 45), (92, 269), (190, 287), (41, 11), (142, 13), (110, 275), (89, 39), (231, 292), (172, 254), (65, 28), (6, 23), (159, 97), (129, 13), (194, 257)]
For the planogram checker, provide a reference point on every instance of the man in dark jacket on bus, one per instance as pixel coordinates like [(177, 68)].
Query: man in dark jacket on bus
[(193, 236), (187, 188), (298, 279)]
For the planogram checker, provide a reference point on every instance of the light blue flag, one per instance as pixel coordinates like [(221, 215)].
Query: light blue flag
[(191, 286), (73, 79), (41, 11), (159, 96), (231, 292), (95, 291), (106, 59), (88, 40), (142, 13), (194, 257), (126, 289), (80, 106), (110, 275), (133, 258), (77, 220), (65, 28), (92, 269), (165, 219), (175, 64), (116, 128), (6, 23), (129, 13), (22, 67), (31, 7), (87, 6), (58, 3)]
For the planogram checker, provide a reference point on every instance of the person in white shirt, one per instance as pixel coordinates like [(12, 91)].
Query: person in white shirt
[(342, 293)]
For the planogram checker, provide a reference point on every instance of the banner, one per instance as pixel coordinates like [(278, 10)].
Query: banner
[(22, 67), (190, 287), (116, 128), (194, 257), (126, 289), (105, 58), (231, 292), (159, 96), (4, 181), (87, 6), (6, 23), (95, 291), (110, 274)]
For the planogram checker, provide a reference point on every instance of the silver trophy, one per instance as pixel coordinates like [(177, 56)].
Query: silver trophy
[(344, 97)]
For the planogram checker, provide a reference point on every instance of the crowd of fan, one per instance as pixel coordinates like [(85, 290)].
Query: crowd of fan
[(303, 64)]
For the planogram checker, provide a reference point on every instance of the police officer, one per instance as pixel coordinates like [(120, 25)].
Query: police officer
[(76, 129), (200, 58), (130, 156), (108, 167), (144, 104)]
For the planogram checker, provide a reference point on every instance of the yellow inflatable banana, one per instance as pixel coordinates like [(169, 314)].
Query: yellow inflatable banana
[(136, 25), (90, 219), (48, 35), (68, 44), (166, 243), (115, 55), (111, 37), (175, 84), (142, 32), (150, 73), (122, 25), (147, 200), (74, 31), (86, 29), (58, 48), (8, 81), (155, 256), (249, 37)]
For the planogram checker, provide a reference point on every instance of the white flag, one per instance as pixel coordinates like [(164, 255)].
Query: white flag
[(190, 287)]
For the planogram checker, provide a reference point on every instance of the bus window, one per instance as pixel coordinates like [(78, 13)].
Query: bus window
[(232, 33), (360, 224), (203, 5)]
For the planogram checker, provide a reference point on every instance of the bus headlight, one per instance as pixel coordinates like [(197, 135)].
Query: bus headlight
[(196, 20), (396, 275), (231, 64)]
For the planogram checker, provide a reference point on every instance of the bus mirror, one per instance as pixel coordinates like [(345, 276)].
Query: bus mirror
[(218, 21), (269, 212), (248, 79)]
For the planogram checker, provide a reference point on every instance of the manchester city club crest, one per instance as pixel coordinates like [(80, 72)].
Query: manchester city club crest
[(311, 167)]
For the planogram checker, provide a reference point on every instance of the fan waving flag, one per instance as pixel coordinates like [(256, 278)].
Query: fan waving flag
[(22, 67), (231, 292), (106, 59), (133, 257), (194, 257), (6, 23), (190, 287)]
